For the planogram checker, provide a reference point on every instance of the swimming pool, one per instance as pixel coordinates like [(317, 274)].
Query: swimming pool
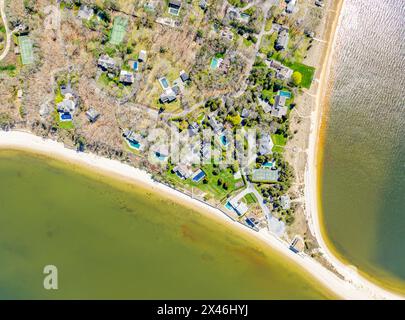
[(284, 94), (135, 66), (65, 116), (200, 175), (228, 206), (134, 144), (224, 140), (215, 62), (268, 164), (164, 83)]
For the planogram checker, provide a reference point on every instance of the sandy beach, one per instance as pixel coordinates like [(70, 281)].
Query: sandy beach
[(357, 288), (311, 183), (353, 286)]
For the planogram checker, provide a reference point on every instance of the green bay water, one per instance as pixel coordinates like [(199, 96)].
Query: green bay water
[(110, 239), (363, 169)]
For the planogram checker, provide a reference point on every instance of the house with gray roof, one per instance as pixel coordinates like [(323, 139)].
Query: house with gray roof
[(217, 127), (107, 63), (290, 6), (285, 202), (282, 40), (92, 114), (265, 144), (279, 109), (85, 12), (183, 171), (142, 56), (167, 96), (127, 77)]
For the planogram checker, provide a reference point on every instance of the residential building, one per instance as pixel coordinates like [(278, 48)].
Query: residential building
[(107, 63), (92, 114), (290, 6), (282, 40), (182, 171), (217, 127), (127, 77), (142, 56), (265, 144), (174, 7), (184, 76), (85, 12), (168, 96), (285, 202), (279, 109)]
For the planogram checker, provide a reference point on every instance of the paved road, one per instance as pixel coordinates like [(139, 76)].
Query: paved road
[(8, 33)]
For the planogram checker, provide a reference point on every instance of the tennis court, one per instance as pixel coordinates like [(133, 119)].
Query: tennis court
[(118, 31), (27, 55)]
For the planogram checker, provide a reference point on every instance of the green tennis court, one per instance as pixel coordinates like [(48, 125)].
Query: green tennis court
[(118, 31), (27, 54)]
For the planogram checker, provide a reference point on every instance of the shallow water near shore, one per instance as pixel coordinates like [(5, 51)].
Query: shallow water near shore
[(110, 239), (363, 166)]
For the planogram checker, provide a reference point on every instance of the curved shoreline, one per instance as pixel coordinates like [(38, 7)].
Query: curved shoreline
[(27, 141), (312, 196)]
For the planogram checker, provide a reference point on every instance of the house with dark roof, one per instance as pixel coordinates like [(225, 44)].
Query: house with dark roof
[(167, 96), (184, 76), (174, 7)]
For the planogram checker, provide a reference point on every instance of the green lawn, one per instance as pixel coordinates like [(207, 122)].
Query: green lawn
[(306, 71), (212, 187), (250, 198), (279, 139)]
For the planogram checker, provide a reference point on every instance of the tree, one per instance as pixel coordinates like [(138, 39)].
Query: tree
[(296, 78)]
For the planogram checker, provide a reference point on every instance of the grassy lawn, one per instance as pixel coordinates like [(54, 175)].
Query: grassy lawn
[(306, 71), (237, 3), (67, 125), (268, 42), (212, 186), (250, 198), (279, 139), (247, 42)]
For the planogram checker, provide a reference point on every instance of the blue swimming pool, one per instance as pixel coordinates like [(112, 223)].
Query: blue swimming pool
[(65, 116), (135, 66), (134, 144), (215, 63), (224, 140), (200, 175), (285, 94), (228, 206), (250, 223), (268, 164), (164, 83)]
